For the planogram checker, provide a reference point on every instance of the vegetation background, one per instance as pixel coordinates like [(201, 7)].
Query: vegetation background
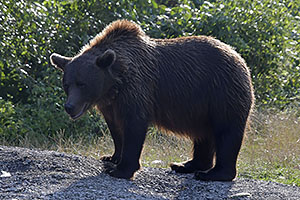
[(265, 32)]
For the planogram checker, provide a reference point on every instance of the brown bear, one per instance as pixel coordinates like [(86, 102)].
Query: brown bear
[(195, 86)]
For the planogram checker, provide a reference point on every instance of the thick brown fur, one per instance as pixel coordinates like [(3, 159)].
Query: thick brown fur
[(196, 86)]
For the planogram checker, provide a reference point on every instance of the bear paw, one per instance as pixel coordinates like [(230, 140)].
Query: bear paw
[(182, 168), (216, 175), (117, 173), (190, 167), (121, 174), (111, 159)]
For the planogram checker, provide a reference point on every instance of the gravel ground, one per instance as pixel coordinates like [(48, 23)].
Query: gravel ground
[(34, 174)]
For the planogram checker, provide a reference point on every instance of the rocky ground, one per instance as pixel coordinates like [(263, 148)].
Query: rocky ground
[(34, 174)]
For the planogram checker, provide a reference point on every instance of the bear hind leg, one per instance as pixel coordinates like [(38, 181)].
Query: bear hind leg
[(228, 144), (203, 155)]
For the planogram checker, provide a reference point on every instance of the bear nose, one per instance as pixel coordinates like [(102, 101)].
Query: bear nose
[(69, 108)]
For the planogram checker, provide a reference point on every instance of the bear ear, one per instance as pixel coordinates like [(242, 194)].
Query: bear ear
[(59, 61), (107, 59)]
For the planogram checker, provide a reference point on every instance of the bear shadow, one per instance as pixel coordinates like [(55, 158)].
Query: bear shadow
[(149, 183)]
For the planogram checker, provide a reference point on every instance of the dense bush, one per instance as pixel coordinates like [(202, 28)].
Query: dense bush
[(266, 33)]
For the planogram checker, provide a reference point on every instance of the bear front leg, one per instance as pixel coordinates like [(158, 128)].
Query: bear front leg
[(134, 136), (116, 134), (117, 139)]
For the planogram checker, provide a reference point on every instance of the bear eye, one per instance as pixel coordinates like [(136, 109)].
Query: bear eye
[(66, 86), (80, 85)]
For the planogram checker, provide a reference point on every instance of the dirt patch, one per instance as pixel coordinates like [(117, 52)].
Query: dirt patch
[(34, 174)]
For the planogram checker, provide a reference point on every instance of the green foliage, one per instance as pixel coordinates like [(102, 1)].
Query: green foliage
[(271, 149), (9, 124), (39, 120), (266, 33)]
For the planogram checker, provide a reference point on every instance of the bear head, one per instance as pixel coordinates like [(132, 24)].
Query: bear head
[(87, 78)]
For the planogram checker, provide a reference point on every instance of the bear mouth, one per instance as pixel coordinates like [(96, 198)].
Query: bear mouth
[(82, 111)]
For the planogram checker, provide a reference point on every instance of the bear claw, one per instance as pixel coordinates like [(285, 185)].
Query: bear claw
[(111, 159)]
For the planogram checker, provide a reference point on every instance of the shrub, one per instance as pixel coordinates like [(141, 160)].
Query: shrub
[(266, 33)]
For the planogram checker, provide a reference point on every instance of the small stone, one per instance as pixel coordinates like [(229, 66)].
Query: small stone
[(5, 174), (242, 194), (155, 162)]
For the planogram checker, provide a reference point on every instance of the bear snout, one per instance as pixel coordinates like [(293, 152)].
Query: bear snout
[(69, 108)]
